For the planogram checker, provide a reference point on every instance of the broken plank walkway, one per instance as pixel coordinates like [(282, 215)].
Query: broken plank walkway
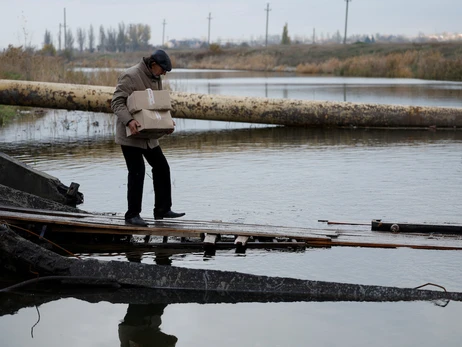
[(236, 286), (210, 232)]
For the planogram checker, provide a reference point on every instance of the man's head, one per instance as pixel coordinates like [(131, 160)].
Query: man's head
[(160, 62)]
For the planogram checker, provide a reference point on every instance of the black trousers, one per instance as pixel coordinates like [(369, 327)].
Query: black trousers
[(160, 176)]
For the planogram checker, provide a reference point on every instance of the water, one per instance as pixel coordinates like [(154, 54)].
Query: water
[(277, 176), (291, 86)]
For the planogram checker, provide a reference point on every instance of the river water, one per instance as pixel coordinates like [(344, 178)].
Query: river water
[(261, 174)]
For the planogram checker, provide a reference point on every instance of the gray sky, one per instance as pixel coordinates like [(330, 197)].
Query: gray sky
[(26, 20)]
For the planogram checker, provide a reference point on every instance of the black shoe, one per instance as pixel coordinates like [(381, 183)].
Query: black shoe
[(137, 220), (168, 214)]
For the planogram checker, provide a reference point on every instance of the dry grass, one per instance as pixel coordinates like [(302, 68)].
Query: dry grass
[(426, 61), (17, 64), (437, 61), (256, 62), (411, 64)]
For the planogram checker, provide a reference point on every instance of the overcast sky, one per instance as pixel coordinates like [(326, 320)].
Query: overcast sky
[(26, 20)]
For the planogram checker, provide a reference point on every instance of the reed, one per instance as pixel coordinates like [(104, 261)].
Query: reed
[(430, 65), (19, 64), (7, 113), (425, 61), (253, 62)]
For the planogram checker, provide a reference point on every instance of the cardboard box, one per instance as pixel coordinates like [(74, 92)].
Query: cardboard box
[(154, 124), (149, 100)]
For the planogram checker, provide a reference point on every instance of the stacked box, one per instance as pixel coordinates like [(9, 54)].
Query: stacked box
[(151, 108)]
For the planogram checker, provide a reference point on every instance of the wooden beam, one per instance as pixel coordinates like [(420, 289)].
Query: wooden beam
[(241, 244)]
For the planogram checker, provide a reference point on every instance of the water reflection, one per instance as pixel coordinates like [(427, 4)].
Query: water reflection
[(141, 327), (188, 140), (289, 85)]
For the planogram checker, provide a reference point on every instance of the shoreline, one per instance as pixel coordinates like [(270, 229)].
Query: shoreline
[(428, 61)]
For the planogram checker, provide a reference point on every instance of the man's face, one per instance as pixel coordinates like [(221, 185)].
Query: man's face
[(157, 70)]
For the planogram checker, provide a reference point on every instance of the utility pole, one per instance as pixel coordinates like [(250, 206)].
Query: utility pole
[(267, 9), (210, 19), (346, 22), (65, 30), (163, 31), (314, 36)]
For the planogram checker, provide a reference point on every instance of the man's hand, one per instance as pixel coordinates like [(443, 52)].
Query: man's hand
[(134, 125), (171, 131)]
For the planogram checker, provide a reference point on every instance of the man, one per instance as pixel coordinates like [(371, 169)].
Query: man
[(146, 74)]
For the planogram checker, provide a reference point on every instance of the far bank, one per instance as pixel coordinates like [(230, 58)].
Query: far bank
[(430, 61)]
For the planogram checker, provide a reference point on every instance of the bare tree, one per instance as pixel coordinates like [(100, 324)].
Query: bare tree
[(285, 36), (145, 34), (102, 39), (133, 36), (111, 40), (48, 48), (121, 38), (81, 37), (91, 39), (47, 40), (69, 44)]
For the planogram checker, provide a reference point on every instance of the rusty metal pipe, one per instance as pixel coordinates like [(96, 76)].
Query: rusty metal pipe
[(56, 95), (288, 112)]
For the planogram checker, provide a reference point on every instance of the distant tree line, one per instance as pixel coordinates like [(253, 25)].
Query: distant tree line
[(133, 37)]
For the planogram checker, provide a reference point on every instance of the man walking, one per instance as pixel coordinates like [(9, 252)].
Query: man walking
[(146, 74)]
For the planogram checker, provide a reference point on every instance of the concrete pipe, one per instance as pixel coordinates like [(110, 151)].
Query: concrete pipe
[(287, 112)]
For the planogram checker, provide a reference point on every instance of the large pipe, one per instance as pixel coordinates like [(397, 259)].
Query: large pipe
[(288, 112)]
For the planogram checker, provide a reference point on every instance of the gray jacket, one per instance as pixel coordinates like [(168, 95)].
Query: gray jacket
[(135, 78)]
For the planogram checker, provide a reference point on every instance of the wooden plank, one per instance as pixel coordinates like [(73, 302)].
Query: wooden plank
[(378, 225), (242, 240), (173, 247), (203, 226), (103, 224), (395, 245), (241, 244), (210, 238), (400, 237), (43, 212), (108, 224)]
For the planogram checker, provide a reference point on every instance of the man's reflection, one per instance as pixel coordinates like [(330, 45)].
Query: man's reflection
[(141, 325)]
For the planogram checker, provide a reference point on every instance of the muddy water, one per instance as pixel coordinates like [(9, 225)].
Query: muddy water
[(267, 175)]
